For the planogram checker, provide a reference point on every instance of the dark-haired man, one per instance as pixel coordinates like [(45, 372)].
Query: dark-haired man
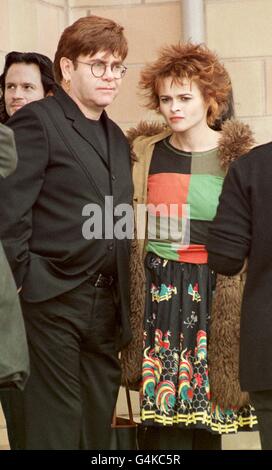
[(74, 286), (27, 77)]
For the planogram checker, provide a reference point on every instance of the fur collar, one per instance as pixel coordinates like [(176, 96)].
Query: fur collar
[(236, 139)]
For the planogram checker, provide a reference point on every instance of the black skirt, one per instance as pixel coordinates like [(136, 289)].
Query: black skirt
[(175, 387)]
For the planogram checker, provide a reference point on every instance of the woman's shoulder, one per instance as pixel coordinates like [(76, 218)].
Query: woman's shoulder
[(146, 130), (236, 139), (142, 138)]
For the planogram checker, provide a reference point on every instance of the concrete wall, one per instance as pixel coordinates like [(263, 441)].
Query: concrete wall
[(31, 25), (242, 38), (239, 30)]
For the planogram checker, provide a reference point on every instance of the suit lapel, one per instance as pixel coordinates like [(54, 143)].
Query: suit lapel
[(80, 123), (119, 159), (81, 126), (81, 148), (88, 152)]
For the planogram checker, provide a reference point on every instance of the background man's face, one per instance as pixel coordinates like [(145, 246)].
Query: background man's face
[(23, 85)]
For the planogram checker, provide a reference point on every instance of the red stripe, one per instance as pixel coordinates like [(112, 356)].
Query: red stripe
[(196, 254)]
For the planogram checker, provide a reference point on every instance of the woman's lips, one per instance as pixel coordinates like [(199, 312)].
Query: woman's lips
[(176, 118)]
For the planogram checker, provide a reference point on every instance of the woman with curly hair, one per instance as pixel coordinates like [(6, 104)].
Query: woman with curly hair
[(178, 173), (27, 77)]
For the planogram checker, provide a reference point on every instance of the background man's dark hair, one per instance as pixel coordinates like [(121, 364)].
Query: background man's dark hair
[(42, 61)]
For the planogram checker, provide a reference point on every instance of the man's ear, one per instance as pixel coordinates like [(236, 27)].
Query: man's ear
[(67, 67)]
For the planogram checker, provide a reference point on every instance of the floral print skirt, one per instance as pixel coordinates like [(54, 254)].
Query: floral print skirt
[(175, 387)]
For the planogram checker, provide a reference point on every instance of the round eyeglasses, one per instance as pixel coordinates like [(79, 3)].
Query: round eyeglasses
[(98, 69)]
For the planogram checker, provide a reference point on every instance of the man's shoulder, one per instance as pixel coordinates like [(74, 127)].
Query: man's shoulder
[(256, 155), (32, 110), (112, 123), (262, 149), (43, 104), (114, 127)]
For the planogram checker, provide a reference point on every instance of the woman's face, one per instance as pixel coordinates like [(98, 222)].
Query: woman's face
[(182, 105), (23, 85)]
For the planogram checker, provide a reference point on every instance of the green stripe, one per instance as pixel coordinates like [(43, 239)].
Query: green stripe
[(203, 196), (163, 249), (209, 164)]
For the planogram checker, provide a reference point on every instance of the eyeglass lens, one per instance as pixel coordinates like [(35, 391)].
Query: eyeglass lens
[(99, 69)]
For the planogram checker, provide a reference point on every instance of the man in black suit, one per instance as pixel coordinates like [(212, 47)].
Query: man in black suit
[(240, 239), (74, 280)]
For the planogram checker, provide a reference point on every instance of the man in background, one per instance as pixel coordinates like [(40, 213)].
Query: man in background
[(26, 77)]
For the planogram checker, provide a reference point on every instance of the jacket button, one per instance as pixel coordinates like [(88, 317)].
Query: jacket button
[(113, 177), (110, 246)]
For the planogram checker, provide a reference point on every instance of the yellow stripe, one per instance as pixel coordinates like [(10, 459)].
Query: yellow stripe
[(200, 417)]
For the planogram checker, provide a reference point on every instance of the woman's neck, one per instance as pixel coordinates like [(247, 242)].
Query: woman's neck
[(198, 141)]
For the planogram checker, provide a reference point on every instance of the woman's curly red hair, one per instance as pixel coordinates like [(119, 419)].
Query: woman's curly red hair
[(194, 62)]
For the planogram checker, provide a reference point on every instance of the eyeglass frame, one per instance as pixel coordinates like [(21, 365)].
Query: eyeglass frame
[(124, 68)]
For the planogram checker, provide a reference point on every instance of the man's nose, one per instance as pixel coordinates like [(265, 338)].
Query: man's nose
[(108, 75), (18, 93)]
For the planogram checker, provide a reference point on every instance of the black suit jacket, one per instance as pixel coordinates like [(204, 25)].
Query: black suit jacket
[(242, 229), (62, 168)]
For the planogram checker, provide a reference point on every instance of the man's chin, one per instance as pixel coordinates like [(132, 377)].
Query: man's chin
[(106, 102), (14, 109)]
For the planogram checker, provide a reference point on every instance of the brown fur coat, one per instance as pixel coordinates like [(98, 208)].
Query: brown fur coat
[(223, 348)]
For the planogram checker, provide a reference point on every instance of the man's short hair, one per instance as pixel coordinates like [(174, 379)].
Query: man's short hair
[(88, 35)]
